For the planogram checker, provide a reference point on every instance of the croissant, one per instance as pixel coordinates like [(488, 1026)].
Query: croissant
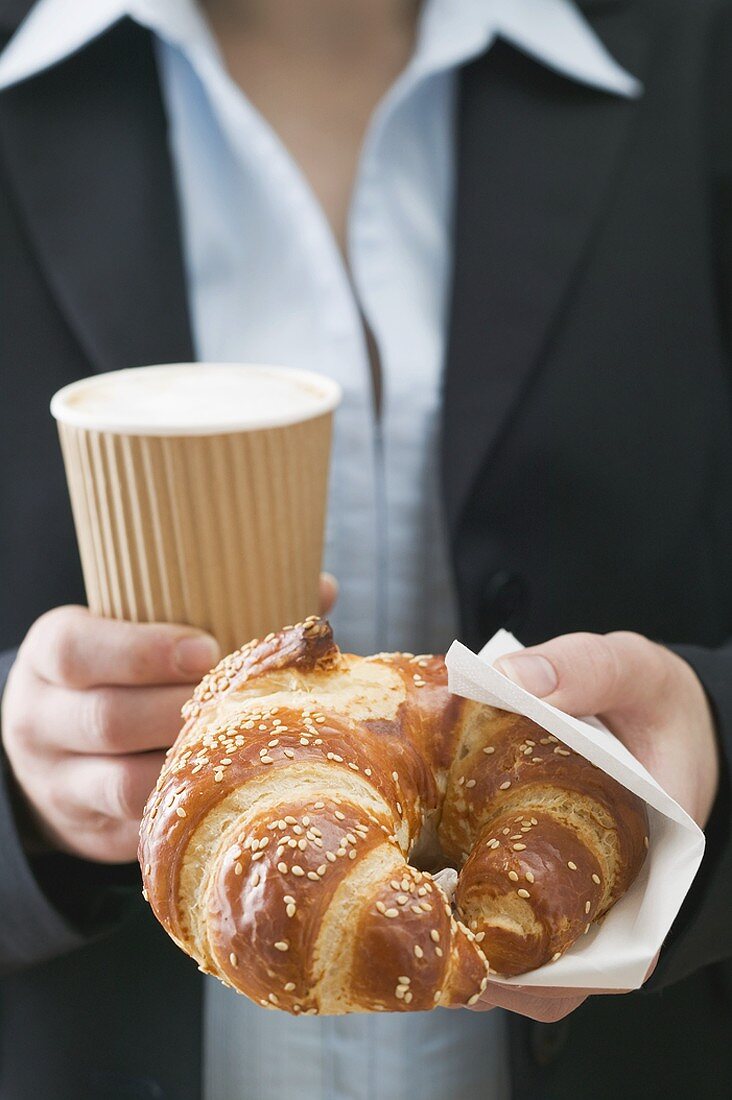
[(282, 845)]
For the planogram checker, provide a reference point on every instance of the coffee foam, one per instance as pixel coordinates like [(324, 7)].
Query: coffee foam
[(194, 399)]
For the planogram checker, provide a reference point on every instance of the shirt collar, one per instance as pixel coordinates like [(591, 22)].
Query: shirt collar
[(452, 32)]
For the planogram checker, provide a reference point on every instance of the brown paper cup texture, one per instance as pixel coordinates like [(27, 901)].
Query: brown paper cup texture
[(222, 530)]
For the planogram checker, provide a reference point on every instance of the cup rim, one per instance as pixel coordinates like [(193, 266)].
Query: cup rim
[(329, 390)]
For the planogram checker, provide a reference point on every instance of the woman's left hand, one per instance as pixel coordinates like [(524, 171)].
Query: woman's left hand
[(653, 702)]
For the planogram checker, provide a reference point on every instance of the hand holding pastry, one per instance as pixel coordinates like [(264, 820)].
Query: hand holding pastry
[(653, 702)]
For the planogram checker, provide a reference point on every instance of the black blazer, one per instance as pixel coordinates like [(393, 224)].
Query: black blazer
[(587, 458)]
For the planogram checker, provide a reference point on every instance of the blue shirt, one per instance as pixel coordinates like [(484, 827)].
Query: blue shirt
[(267, 283)]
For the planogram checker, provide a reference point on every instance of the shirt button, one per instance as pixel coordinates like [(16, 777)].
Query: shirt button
[(548, 1041), (503, 601)]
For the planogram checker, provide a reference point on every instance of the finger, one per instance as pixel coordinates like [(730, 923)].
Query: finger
[(98, 789), (109, 720), (328, 592), (592, 673), (73, 648), (546, 1010)]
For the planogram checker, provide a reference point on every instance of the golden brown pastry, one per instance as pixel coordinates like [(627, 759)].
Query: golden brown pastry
[(275, 846)]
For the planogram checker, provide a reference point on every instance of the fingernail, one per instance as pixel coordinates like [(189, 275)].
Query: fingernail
[(529, 671), (196, 654), (328, 592)]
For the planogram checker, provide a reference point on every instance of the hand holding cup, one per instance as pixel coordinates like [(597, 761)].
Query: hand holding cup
[(90, 706)]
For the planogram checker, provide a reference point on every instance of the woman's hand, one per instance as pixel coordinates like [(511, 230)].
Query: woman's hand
[(653, 702), (90, 706)]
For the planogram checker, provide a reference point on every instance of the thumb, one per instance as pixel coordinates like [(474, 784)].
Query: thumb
[(328, 592), (586, 674)]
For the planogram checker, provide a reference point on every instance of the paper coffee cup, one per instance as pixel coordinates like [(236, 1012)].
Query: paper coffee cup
[(199, 493)]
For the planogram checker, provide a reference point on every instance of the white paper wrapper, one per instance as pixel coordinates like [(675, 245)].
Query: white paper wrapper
[(615, 954)]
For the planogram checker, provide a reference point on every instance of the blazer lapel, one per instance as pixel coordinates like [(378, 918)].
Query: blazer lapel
[(86, 146), (535, 160)]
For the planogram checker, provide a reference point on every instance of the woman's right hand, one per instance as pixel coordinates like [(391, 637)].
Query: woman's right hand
[(89, 708)]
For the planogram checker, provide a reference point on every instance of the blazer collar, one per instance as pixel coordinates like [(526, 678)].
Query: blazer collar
[(535, 162), (95, 185)]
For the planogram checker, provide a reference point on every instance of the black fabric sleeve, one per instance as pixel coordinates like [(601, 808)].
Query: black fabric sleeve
[(702, 932), (51, 903)]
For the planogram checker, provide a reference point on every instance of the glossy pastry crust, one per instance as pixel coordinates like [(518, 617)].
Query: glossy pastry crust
[(275, 846)]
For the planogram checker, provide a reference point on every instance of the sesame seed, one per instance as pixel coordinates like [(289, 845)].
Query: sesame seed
[(282, 946), (282, 868), (233, 959), (587, 907), (352, 853), (255, 878), (434, 935), (556, 956), (391, 913), (504, 787), (471, 783), (488, 750), (562, 752), (418, 951), (395, 776), (339, 815), (439, 952), (523, 893), (474, 999), (289, 987), (572, 866), (330, 856), (289, 820), (290, 910), (645, 841), (529, 876), (238, 868), (596, 879), (380, 906), (519, 847), (513, 876), (288, 898), (297, 871)]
